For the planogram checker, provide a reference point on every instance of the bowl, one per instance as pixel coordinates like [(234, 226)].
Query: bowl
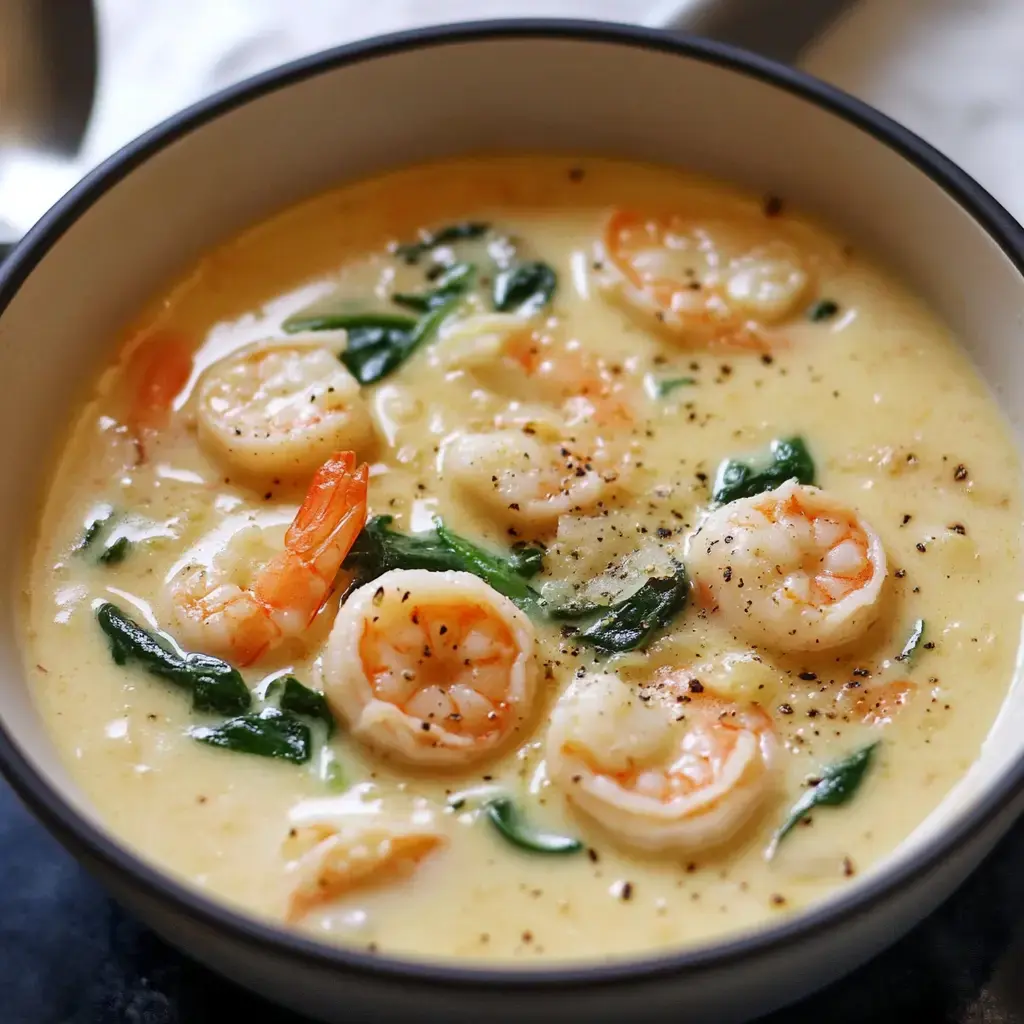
[(565, 86)]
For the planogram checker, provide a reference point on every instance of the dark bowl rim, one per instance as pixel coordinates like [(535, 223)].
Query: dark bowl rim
[(93, 845)]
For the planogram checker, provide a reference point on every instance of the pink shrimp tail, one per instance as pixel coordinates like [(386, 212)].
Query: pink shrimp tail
[(299, 581), (160, 367)]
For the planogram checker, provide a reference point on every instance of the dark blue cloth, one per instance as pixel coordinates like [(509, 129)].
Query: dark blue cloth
[(69, 955)]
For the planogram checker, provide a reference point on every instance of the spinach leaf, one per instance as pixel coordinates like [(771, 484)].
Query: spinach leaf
[(839, 783), (453, 282), (412, 251), (293, 696), (662, 387), (823, 310), (494, 570), (526, 560), (789, 459), (379, 548), (214, 684), (93, 529), (912, 644), (372, 351), (632, 622), (351, 322), (270, 733), (525, 288), (505, 817), (377, 343), (115, 551), (369, 358)]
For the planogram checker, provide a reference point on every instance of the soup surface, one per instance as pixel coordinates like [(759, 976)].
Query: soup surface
[(527, 559)]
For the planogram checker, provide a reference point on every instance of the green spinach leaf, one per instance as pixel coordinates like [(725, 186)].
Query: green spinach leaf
[(495, 570), (630, 624), (838, 784), (789, 458), (93, 529), (526, 560), (379, 549), (503, 814), (412, 251), (214, 684), (270, 733), (455, 281), (115, 551), (525, 288), (823, 310), (299, 699)]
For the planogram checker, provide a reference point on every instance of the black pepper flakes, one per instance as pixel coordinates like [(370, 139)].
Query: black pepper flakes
[(960, 473), (785, 709), (626, 893)]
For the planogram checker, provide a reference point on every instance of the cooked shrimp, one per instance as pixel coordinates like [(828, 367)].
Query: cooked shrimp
[(159, 367), (280, 410), (588, 389), (523, 480), (435, 667), (700, 280), (664, 767), (793, 568), (339, 855), (221, 617)]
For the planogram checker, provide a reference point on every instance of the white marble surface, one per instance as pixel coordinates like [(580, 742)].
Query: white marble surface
[(952, 70)]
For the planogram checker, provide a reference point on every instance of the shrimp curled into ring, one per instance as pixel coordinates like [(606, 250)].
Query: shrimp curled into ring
[(794, 568), (335, 857), (661, 768), (437, 668), (522, 480), (241, 623), (280, 410), (710, 283)]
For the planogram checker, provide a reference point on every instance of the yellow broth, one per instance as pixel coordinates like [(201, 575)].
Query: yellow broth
[(899, 425)]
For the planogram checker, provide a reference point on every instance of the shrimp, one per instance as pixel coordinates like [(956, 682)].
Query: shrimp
[(280, 410), (699, 280), (435, 667), (241, 623), (589, 390), (793, 568), (158, 369), (355, 853), (524, 481), (667, 766)]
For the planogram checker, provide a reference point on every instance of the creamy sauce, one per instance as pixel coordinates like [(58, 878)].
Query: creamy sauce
[(899, 426)]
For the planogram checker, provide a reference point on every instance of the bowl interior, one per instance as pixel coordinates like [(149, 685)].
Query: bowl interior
[(144, 217)]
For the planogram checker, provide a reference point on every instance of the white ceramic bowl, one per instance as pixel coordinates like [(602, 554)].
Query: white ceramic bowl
[(564, 86)]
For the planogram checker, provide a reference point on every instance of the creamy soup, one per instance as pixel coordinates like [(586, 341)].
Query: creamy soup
[(525, 559)]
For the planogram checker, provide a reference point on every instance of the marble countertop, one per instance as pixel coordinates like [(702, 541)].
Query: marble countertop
[(951, 70)]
